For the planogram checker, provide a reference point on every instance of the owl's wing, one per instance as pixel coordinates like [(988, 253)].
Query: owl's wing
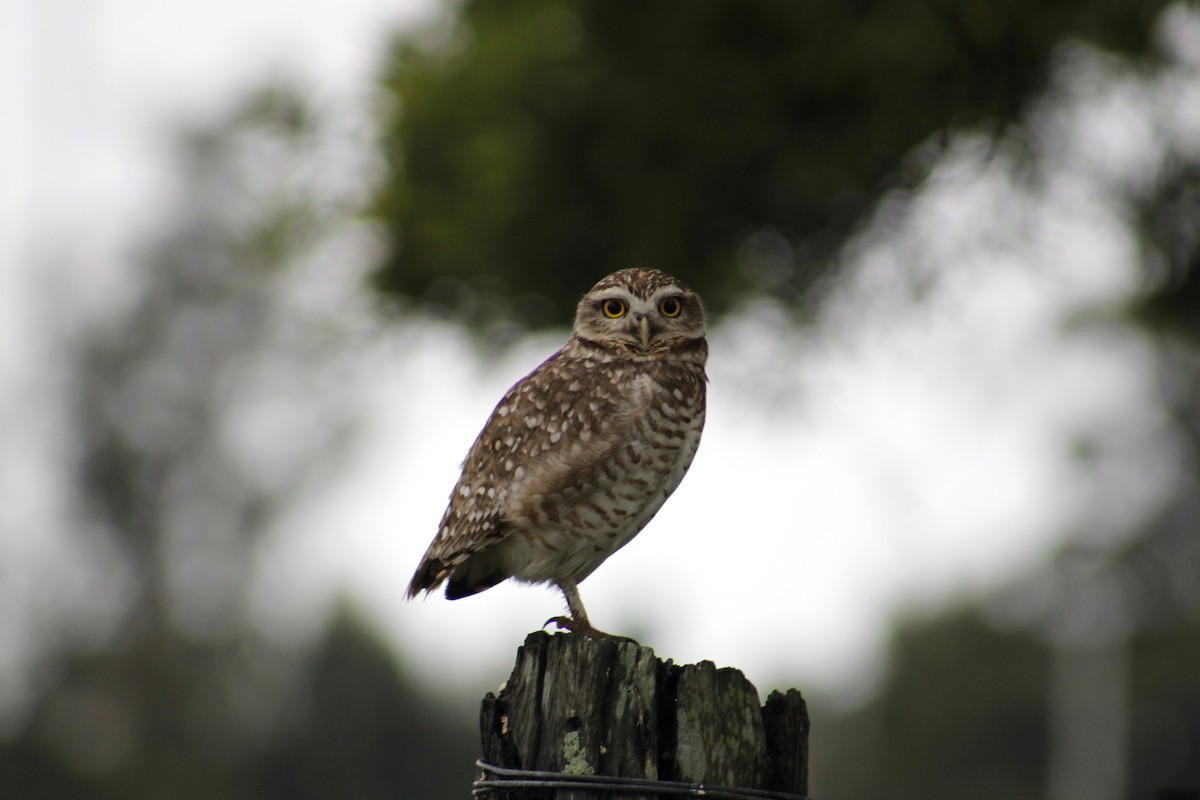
[(474, 518), (545, 440)]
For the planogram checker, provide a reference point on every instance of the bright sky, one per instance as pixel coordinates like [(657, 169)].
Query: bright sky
[(906, 455)]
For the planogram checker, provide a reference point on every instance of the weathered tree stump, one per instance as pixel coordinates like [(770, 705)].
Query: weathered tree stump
[(587, 706)]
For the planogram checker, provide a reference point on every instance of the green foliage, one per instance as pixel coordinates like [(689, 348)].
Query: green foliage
[(1167, 219), (369, 732), (1166, 706), (540, 144), (961, 715), (964, 712), (171, 720), (184, 697)]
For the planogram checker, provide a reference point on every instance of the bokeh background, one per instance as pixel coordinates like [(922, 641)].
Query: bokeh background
[(266, 267)]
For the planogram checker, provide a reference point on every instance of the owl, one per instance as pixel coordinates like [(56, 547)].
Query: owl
[(582, 452)]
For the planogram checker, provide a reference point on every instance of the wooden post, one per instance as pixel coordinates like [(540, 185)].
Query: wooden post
[(587, 706)]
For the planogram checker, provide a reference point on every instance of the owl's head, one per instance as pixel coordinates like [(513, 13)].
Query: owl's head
[(640, 311)]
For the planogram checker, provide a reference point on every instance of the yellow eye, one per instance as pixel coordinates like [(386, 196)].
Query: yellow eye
[(613, 309), (670, 307)]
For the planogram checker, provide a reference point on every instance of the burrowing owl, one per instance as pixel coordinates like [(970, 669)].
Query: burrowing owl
[(582, 452)]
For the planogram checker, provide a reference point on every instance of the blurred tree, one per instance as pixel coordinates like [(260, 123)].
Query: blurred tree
[(964, 710), (1159, 568), (964, 707), (1165, 713), (129, 722), (369, 732), (961, 716), (1167, 221), (160, 390), (202, 409), (536, 145)]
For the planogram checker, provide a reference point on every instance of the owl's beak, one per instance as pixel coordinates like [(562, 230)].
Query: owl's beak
[(644, 332)]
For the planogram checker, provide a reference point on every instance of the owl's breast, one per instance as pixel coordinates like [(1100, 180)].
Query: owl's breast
[(582, 504)]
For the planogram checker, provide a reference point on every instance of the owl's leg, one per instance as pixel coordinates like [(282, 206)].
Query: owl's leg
[(575, 607), (578, 621)]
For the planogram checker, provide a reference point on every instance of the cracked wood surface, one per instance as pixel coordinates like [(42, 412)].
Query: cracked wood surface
[(611, 707)]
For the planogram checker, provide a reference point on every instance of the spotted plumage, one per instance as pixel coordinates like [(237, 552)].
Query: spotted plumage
[(582, 452)]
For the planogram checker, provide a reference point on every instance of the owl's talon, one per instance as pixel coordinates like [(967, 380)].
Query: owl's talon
[(584, 628), (573, 625)]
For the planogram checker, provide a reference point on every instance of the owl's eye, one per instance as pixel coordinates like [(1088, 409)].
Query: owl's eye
[(670, 307), (613, 309)]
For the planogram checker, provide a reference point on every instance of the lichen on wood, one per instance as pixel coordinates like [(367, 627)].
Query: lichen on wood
[(609, 707)]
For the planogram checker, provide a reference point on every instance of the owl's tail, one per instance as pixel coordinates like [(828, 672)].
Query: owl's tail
[(463, 578), (429, 575)]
